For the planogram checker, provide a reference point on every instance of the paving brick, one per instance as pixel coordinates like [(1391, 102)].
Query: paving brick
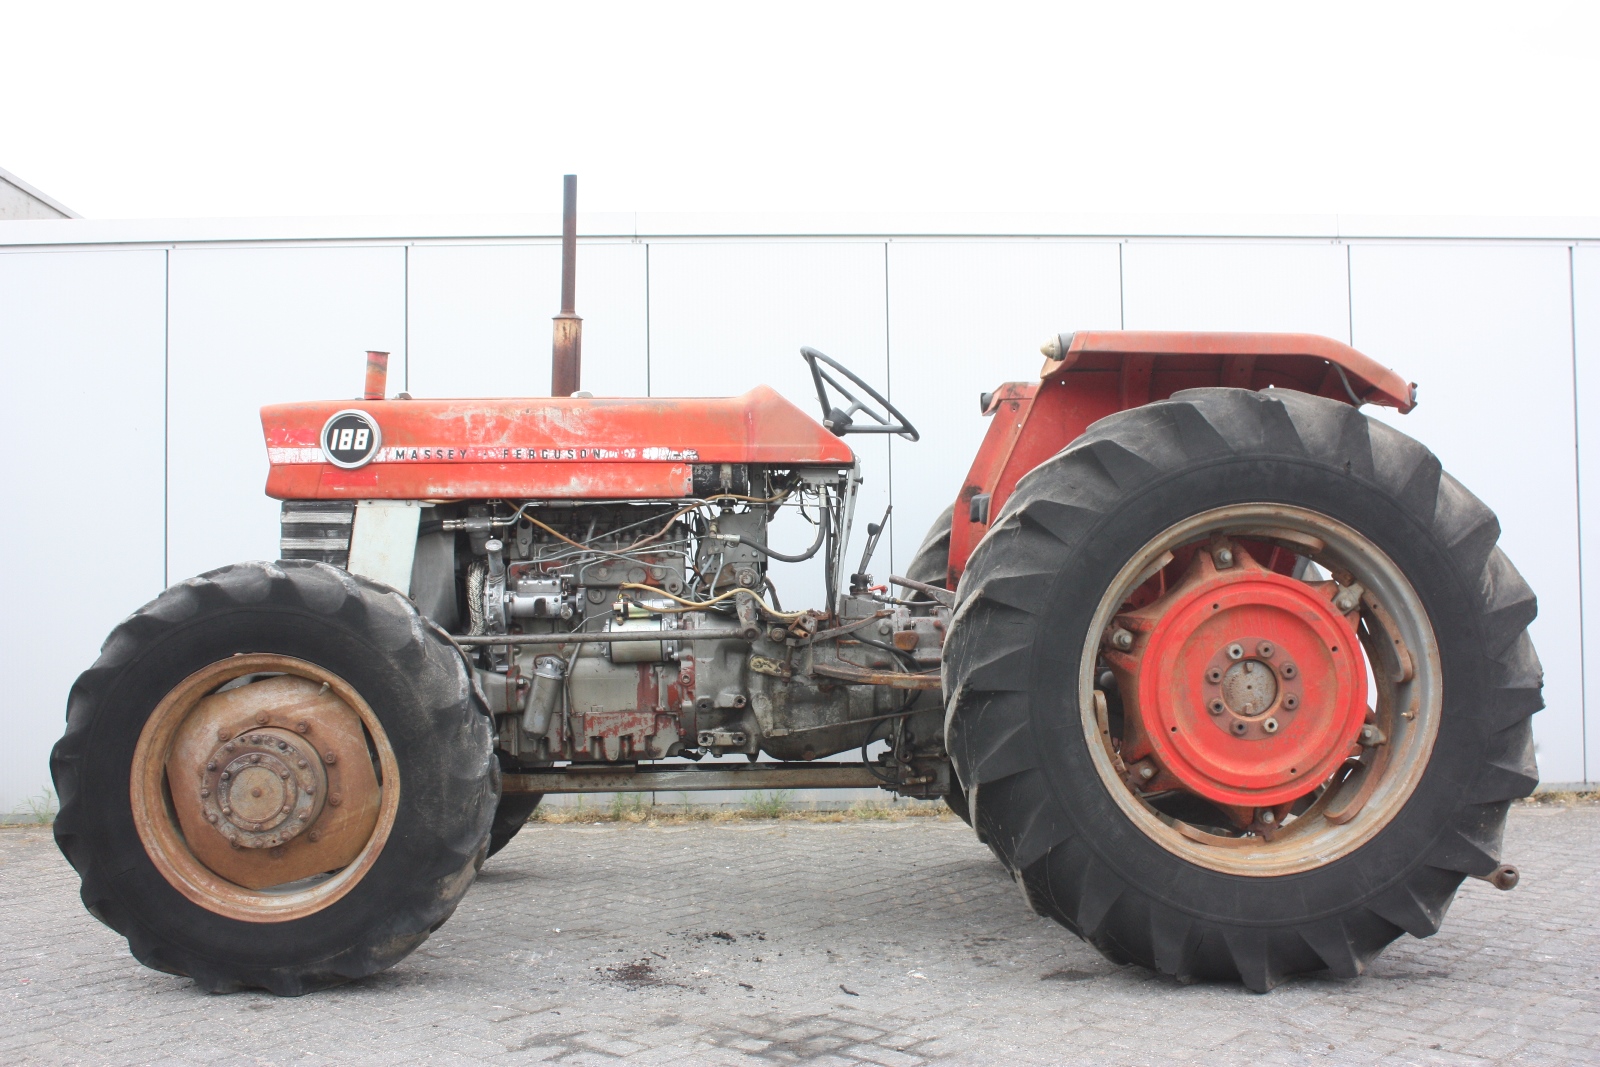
[(794, 911)]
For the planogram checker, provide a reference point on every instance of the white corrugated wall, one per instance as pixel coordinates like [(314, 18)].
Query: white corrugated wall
[(134, 367)]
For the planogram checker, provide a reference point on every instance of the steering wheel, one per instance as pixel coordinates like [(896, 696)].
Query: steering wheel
[(842, 420)]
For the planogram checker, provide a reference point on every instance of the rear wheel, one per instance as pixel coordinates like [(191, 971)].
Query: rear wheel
[(275, 776), (1162, 660)]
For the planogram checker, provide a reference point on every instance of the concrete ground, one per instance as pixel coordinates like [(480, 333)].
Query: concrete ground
[(879, 942)]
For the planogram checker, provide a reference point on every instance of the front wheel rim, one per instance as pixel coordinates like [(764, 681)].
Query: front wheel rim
[(1342, 800), (263, 787)]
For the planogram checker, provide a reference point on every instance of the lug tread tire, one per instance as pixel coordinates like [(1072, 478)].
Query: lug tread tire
[(397, 659), (1002, 736)]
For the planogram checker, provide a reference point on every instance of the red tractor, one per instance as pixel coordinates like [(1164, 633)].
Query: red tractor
[(1232, 678)]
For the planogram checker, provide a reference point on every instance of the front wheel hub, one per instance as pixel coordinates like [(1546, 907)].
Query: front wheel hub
[(1242, 685)]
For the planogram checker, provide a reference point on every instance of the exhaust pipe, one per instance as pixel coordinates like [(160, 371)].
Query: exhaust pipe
[(566, 364)]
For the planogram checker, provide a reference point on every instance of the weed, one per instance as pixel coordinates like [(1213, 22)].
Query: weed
[(765, 805), (43, 807)]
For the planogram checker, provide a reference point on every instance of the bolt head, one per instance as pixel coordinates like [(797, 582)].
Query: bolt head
[(261, 717), (205, 792), (330, 758), (315, 835), (1122, 639), (222, 733), (335, 799), (1224, 557), (1268, 817), (1147, 773), (302, 727)]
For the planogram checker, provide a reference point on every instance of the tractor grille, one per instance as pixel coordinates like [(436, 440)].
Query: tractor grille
[(316, 529)]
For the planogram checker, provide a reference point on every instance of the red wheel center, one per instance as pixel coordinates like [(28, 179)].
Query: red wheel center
[(1245, 686)]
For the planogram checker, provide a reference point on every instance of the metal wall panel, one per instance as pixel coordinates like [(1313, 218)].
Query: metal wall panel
[(728, 316), (82, 340), (254, 326), (965, 316), (1485, 331), (479, 318), (1586, 361), (1205, 285)]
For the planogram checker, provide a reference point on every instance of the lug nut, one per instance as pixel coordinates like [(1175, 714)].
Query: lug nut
[(1264, 650), (222, 733), (1147, 772), (315, 835), (211, 766), (335, 799), (1122, 639), (1214, 675), (1267, 817), (205, 792), (1270, 726), (1239, 728), (330, 758), (1215, 707), (1290, 702), (1290, 670), (1224, 557), (1235, 651)]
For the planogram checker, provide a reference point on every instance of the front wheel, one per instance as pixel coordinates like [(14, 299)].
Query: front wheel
[(275, 776), (1242, 687)]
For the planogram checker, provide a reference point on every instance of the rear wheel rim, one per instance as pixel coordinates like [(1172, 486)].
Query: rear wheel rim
[(1302, 820), (263, 788)]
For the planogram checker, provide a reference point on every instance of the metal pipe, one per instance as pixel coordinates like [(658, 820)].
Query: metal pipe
[(631, 779), (598, 638), (377, 376), (566, 363)]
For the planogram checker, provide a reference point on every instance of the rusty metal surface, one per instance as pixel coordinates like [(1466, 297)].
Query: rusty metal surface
[(377, 376), (691, 778), (171, 770), (863, 676)]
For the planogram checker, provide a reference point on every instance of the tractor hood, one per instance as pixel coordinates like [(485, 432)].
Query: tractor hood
[(541, 448)]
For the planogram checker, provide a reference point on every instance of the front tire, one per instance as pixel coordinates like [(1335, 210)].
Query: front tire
[(276, 775), (1218, 863)]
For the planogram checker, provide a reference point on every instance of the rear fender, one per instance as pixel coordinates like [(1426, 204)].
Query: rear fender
[(1100, 372)]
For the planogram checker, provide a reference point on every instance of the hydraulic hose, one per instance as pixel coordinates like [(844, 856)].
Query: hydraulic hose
[(784, 557)]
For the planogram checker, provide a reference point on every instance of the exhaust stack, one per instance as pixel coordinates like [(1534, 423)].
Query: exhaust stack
[(566, 364)]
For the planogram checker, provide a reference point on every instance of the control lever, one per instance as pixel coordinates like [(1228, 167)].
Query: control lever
[(861, 580)]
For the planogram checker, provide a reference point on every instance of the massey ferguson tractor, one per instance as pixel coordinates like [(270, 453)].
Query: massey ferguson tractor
[(1232, 678)]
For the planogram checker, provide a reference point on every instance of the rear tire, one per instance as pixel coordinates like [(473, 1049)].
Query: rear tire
[(153, 698), (1019, 729)]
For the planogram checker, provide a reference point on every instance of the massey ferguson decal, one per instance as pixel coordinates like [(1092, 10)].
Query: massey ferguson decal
[(351, 439), (342, 433)]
